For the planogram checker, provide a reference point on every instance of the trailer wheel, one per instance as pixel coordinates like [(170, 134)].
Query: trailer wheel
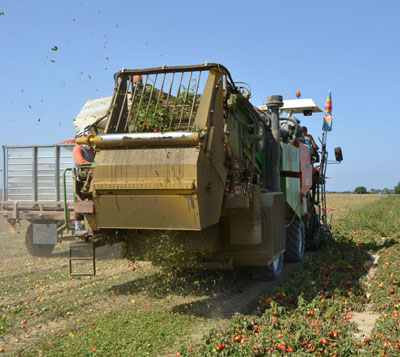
[(295, 242), (274, 270), (36, 250)]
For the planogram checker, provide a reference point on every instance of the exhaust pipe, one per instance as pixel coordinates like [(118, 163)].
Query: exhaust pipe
[(274, 102)]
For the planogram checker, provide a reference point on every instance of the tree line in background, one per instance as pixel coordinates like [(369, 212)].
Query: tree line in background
[(385, 191)]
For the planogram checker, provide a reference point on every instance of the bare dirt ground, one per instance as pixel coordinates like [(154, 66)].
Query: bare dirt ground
[(366, 319)]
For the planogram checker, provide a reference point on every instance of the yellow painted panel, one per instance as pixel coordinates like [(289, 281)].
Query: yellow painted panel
[(148, 212)]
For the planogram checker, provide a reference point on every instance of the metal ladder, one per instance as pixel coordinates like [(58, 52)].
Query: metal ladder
[(80, 244)]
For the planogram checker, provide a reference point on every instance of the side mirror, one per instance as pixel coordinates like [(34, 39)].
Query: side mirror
[(338, 154)]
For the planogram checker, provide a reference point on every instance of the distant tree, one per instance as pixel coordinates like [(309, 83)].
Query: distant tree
[(360, 189), (397, 188)]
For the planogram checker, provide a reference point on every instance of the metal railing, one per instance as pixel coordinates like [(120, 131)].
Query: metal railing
[(157, 99)]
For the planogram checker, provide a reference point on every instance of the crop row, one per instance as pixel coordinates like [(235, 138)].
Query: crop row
[(312, 312)]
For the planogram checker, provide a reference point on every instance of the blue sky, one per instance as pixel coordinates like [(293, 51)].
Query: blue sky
[(278, 47)]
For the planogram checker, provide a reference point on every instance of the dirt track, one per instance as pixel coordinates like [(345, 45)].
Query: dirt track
[(38, 297)]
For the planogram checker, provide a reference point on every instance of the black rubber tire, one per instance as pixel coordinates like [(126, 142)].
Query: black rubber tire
[(316, 243), (36, 250), (313, 233), (295, 242), (274, 270)]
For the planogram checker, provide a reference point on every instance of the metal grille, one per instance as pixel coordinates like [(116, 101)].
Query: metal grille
[(156, 102), (35, 173)]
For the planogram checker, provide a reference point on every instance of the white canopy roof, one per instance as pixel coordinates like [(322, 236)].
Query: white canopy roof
[(298, 106)]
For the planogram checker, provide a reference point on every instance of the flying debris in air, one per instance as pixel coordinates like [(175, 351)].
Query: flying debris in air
[(55, 48), (38, 121), (1, 13)]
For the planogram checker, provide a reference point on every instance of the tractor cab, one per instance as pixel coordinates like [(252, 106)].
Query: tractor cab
[(290, 125), (290, 129)]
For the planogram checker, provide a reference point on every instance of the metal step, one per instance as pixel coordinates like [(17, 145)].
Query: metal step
[(77, 245)]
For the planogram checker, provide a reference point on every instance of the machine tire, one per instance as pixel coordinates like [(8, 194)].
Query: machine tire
[(316, 243), (313, 233), (295, 242), (274, 270), (36, 250)]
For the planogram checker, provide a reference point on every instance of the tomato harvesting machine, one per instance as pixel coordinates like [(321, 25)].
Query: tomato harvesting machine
[(189, 173)]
